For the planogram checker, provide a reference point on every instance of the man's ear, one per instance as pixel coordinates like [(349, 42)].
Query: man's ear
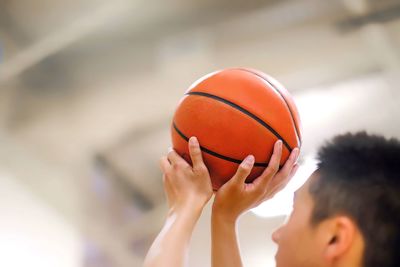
[(339, 236)]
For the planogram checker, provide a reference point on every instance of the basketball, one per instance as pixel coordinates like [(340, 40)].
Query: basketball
[(234, 113)]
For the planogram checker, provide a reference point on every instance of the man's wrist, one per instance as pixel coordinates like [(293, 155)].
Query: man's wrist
[(221, 217), (191, 207)]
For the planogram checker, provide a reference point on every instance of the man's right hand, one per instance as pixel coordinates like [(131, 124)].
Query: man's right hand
[(235, 197)]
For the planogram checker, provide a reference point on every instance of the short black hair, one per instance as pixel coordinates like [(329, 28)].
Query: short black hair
[(359, 176)]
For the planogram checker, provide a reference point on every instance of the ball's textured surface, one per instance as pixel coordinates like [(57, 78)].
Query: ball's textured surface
[(234, 113)]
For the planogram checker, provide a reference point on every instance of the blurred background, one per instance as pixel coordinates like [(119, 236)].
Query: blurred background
[(88, 89)]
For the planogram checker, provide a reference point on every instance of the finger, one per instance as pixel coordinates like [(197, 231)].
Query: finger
[(282, 181), (278, 187), (164, 164), (280, 184), (273, 165), (276, 156), (195, 153), (294, 170), (244, 170), (289, 164), (175, 159)]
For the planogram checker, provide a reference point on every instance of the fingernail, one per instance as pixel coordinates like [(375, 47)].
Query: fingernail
[(279, 143), (193, 140), (294, 154), (249, 160), (170, 149)]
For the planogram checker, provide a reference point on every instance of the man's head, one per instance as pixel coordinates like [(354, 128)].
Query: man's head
[(348, 212)]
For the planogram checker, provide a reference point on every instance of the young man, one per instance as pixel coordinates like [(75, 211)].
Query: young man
[(346, 215)]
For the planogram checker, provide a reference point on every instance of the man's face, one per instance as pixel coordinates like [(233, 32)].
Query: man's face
[(298, 242)]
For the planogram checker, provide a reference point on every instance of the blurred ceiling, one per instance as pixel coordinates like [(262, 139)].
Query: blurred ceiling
[(87, 88)]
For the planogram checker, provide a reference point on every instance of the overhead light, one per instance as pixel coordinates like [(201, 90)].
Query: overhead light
[(282, 203)]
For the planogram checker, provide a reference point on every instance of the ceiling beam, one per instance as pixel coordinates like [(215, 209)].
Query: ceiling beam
[(377, 38), (62, 38)]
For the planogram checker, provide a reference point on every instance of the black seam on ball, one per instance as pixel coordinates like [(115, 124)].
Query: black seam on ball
[(215, 154), (248, 113), (284, 100)]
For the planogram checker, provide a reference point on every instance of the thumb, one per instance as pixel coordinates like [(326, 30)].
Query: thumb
[(244, 170)]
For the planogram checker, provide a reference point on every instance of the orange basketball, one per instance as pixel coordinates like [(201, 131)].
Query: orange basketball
[(234, 113)]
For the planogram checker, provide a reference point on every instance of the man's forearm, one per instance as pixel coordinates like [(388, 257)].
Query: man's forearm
[(172, 243), (224, 248)]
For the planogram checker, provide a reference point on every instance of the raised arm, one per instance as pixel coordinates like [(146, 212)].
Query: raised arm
[(188, 189), (236, 197)]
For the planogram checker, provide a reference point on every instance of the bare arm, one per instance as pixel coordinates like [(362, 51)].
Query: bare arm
[(172, 243), (188, 189), (236, 197), (225, 247)]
